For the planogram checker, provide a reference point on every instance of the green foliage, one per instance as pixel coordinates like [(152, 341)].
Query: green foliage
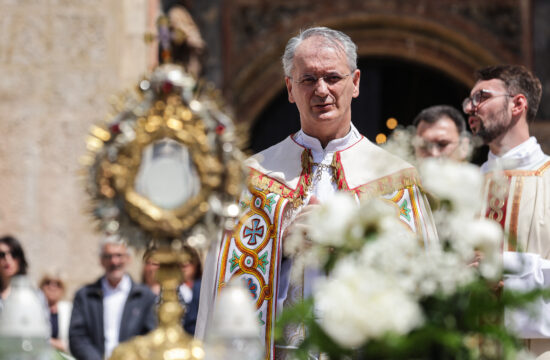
[(467, 325)]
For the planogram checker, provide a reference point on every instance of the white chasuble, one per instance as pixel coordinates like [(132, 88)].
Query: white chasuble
[(517, 196), (282, 179)]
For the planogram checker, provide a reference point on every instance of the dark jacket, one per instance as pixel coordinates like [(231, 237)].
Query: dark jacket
[(189, 320), (86, 338)]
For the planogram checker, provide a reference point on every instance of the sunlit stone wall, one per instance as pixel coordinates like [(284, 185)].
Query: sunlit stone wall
[(60, 62)]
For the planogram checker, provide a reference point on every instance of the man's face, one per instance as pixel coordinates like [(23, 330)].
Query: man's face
[(440, 139), (492, 117), (324, 102), (114, 259)]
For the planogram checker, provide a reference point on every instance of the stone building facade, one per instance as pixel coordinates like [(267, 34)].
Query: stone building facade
[(61, 60)]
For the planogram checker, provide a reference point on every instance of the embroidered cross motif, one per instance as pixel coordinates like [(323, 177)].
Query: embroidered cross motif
[(254, 231)]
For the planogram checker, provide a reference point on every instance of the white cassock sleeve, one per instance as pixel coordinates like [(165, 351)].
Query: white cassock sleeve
[(528, 272)]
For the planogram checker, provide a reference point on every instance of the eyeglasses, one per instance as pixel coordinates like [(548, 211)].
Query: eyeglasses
[(53, 283), (479, 97), (113, 256), (329, 79), (429, 146), (3, 254)]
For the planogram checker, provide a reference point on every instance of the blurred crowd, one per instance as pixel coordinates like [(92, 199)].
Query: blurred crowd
[(112, 309)]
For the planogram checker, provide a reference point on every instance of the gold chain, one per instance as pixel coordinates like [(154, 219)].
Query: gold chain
[(320, 167)]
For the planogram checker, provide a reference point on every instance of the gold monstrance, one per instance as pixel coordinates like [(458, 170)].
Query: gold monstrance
[(163, 172)]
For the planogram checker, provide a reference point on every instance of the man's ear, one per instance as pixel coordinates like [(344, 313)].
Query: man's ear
[(520, 104), (356, 77), (288, 82)]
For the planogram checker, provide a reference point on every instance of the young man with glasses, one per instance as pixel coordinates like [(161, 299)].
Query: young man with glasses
[(327, 155), (111, 310), (517, 190)]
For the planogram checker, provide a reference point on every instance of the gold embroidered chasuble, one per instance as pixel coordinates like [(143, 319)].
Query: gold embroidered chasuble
[(519, 200), (279, 182)]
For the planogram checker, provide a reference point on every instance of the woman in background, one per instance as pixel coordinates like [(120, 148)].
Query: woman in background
[(53, 287), (189, 290), (12, 262), (149, 272)]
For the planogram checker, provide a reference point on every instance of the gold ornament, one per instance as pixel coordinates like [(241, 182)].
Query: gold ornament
[(170, 129)]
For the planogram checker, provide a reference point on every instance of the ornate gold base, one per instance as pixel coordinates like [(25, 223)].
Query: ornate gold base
[(169, 341)]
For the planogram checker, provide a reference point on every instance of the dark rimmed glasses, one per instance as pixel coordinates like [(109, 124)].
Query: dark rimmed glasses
[(479, 97)]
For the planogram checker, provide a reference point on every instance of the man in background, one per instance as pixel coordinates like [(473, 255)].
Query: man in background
[(501, 104), (441, 132), (111, 310)]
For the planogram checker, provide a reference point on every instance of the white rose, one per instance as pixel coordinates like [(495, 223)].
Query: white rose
[(358, 303), (460, 183), (329, 223)]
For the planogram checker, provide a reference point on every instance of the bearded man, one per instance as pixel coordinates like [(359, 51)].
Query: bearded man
[(503, 101)]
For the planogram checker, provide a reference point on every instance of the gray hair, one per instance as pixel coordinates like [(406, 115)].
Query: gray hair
[(112, 239), (335, 38)]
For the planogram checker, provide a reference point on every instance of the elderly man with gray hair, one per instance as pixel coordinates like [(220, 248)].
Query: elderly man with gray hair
[(111, 310), (287, 180)]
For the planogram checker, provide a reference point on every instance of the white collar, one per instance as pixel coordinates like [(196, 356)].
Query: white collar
[(314, 144), (526, 156), (124, 285)]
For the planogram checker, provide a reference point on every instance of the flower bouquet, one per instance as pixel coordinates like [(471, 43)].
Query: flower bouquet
[(386, 295)]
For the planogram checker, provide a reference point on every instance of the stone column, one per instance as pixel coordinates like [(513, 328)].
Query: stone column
[(60, 61)]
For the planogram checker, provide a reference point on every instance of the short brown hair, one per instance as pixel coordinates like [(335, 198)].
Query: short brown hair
[(518, 80), (195, 259), (433, 114)]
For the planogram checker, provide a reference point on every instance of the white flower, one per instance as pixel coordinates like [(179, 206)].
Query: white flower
[(357, 304), (401, 143), (329, 224), (459, 183), (486, 236)]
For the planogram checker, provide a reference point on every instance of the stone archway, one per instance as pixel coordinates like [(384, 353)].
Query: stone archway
[(449, 42)]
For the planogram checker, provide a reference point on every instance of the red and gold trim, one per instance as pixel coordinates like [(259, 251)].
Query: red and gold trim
[(505, 186), (510, 173), (497, 200), (261, 181), (259, 261), (514, 215), (385, 185)]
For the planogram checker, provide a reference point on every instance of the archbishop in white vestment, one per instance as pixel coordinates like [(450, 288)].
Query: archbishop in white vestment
[(282, 180), (327, 155)]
